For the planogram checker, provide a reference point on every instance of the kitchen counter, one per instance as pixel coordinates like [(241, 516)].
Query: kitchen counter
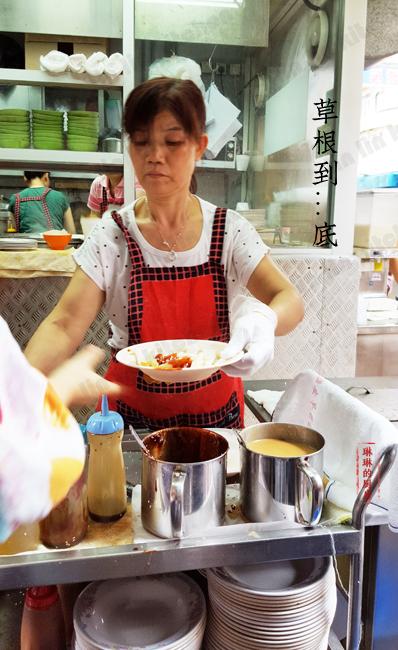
[(379, 327), (377, 349), (39, 262), (343, 382), (129, 550), (126, 549)]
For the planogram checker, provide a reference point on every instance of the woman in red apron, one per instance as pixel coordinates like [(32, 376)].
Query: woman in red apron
[(106, 193), (104, 205), (216, 401), (163, 296)]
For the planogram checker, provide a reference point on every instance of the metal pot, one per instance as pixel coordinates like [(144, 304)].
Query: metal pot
[(276, 488), (112, 145), (183, 481)]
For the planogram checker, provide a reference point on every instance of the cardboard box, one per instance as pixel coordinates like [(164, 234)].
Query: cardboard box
[(36, 45)]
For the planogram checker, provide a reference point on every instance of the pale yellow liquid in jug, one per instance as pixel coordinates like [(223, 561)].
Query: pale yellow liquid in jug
[(279, 448)]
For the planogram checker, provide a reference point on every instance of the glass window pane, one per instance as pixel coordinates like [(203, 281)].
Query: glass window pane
[(278, 164)]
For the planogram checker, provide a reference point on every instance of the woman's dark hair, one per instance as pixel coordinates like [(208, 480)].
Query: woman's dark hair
[(180, 97), (31, 175)]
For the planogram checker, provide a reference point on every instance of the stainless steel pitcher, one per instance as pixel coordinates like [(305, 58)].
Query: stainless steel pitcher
[(183, 481), (275, 488)]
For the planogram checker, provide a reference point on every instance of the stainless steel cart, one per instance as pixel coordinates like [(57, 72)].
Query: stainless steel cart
[(226, 546)]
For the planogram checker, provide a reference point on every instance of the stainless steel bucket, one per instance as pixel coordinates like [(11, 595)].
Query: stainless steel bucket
[(275, 488), (112, 145), (183, 483)]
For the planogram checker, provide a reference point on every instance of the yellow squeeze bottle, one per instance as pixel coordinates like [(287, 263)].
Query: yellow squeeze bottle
[(106, 483)]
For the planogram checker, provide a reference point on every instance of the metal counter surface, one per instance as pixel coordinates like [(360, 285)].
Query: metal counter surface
[(344, 382), (231, 544), (383, 327), (76, 565), (227, 545)]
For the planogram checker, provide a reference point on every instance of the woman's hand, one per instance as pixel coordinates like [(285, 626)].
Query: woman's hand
[(76, 382), (254, 333)]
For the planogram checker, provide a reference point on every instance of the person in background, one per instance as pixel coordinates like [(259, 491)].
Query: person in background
[(39, 208), (107, 193), (173, 266), (41, 446)]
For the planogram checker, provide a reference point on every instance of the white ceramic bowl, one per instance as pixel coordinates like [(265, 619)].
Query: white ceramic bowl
[(205, 357)]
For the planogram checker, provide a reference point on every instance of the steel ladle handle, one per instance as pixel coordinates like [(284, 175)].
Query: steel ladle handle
[(177, 502), (380, 470), (354, 623), (317, 494)]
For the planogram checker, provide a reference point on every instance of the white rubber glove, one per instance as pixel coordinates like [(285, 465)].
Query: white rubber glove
[(252, 330)]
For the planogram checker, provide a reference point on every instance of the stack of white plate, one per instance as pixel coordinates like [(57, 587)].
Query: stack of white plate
[(283, 605), (166, 612)]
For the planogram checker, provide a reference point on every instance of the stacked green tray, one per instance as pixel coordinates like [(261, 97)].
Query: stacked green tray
[(48, 129), (83, 130), (14, 128)]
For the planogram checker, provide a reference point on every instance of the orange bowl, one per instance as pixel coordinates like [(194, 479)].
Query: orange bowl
[(57, 242)]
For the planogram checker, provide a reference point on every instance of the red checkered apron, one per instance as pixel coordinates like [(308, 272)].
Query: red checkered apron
[(26, 199), (105, 202), (173, 303)]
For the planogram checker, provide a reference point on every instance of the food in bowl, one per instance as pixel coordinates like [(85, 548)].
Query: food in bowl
[(57, 239), (205, 357), (185, 358), (169, 362)]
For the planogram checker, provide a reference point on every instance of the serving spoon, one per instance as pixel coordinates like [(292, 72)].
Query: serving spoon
[(140, 442), (240, 439)]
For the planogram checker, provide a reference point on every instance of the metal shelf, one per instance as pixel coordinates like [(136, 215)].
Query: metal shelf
[(215, 164), (59, 160), (375, 253), (16, 77), (162, 556), (84, 160)]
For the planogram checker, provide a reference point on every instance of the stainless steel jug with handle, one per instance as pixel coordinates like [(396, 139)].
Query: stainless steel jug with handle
[(183, 481), (277, 488)]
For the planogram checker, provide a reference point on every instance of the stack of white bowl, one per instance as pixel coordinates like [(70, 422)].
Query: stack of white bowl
[(283, 605), (162, 612)]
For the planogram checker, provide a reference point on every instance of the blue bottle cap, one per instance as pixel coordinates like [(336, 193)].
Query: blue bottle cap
[(104, 421)]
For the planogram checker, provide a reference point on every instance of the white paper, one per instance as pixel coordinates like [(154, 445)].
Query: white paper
[(286, 115), (225, 123)]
